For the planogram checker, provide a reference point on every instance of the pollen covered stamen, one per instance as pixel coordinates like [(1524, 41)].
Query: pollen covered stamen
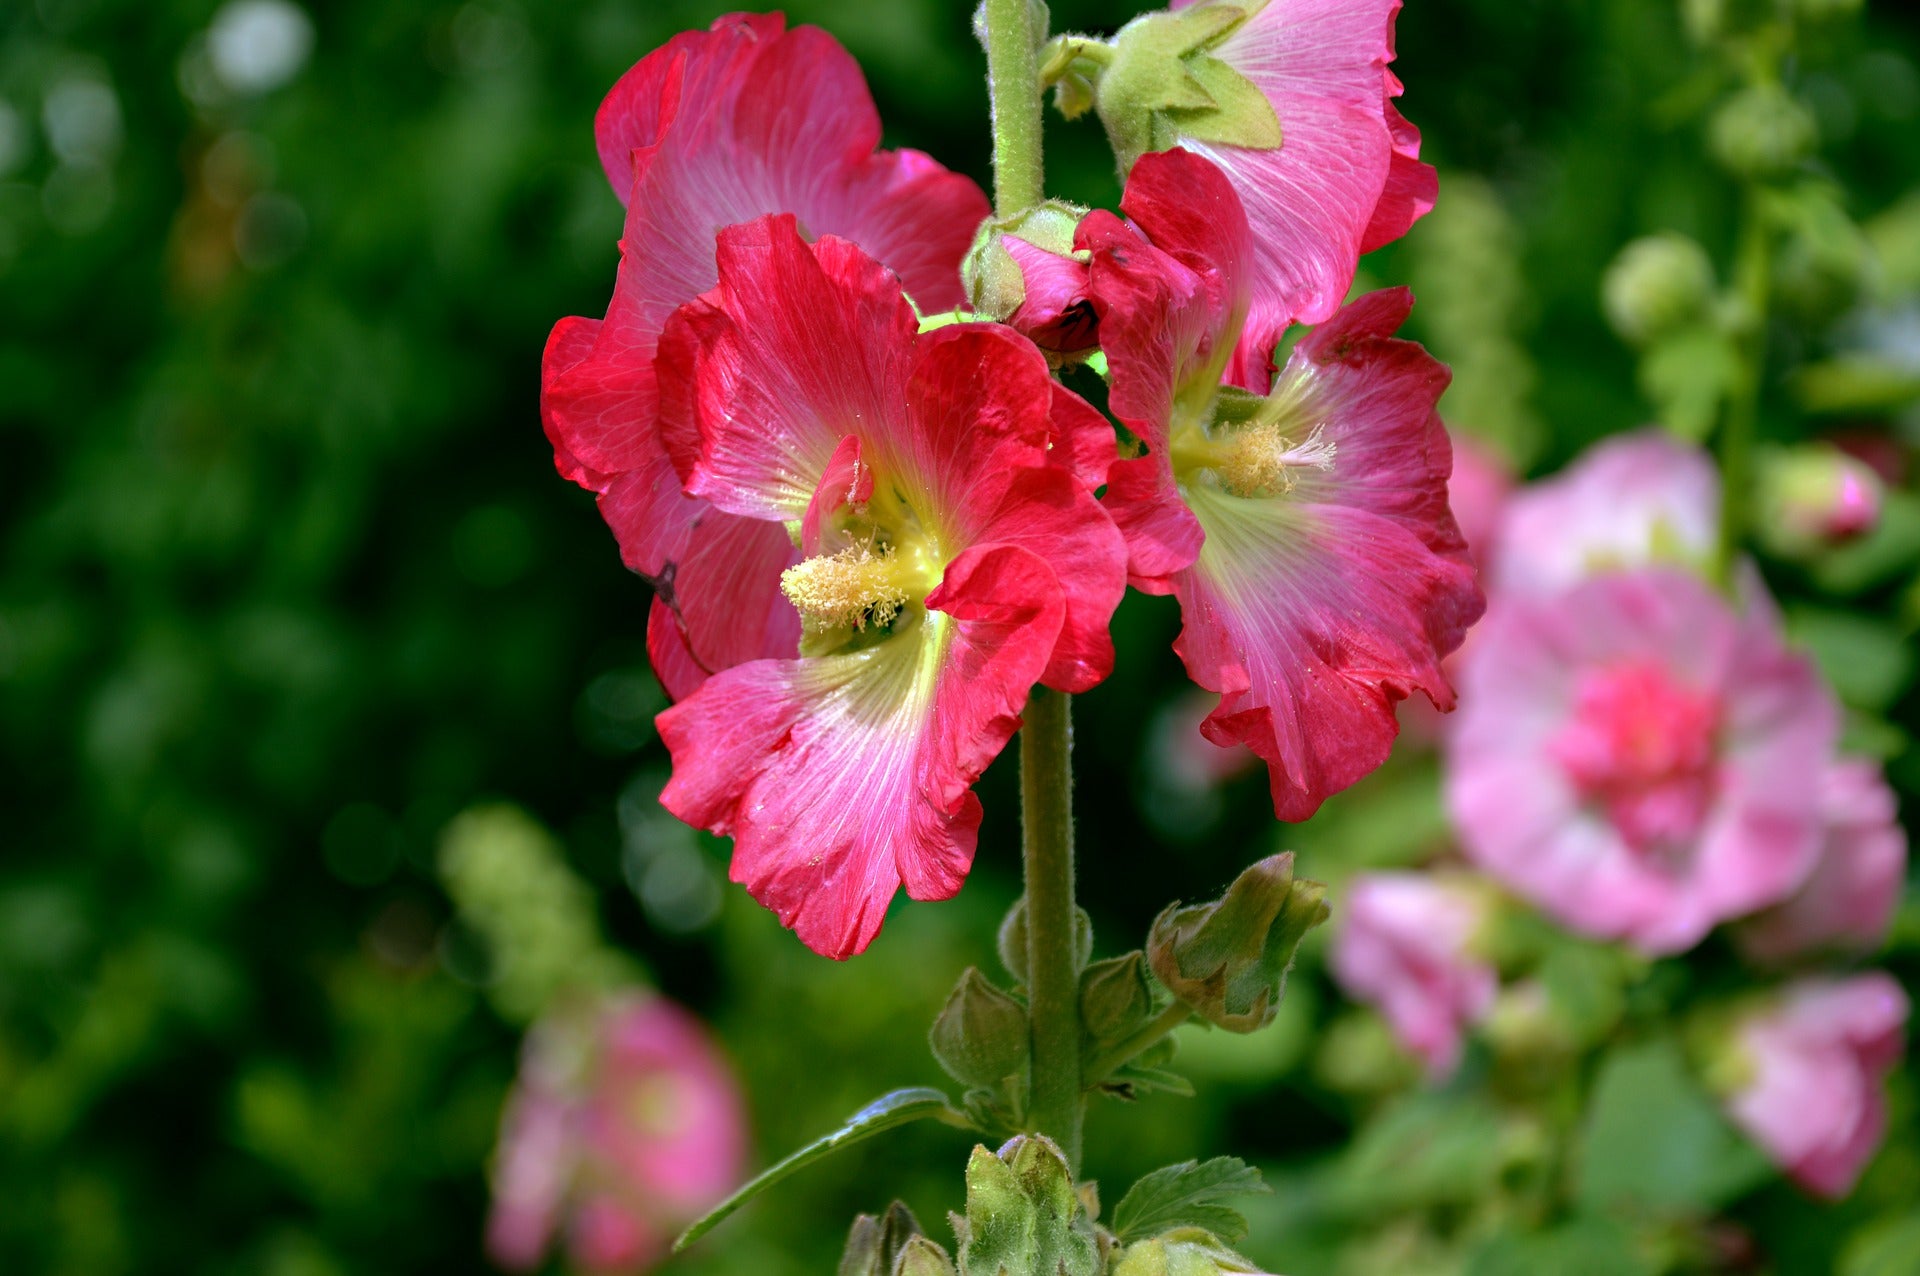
[(1260, 459), (856, 588)]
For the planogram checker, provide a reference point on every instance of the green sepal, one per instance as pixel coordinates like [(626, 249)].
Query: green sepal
[(980, 1036), (1161, 83), (1115, 999), (874, 1244), (1229, 959), (1023, 1215)]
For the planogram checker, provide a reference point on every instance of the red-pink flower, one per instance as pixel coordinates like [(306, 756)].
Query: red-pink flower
[(1347, 177), (932, 479), (1057, 313), (1849, 901), (1406, 945), (624, 1126), (1639, 759), (715, 128), (1813, 1064), (1306, 533)]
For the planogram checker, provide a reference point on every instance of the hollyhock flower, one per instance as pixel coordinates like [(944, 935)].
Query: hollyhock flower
[(1056, 313), (1849, 901), (1813, 1064), (930, 513), (1477, 493), (1405, 944), (625, 1125), (1816, 496), (714, 128), (1638, 759), (1347, 176), (1629, 501), (1306, 533)]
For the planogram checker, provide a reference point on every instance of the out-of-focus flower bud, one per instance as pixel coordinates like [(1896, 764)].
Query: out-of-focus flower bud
[(1023, 1214), (1827, 10), (1816, 496), (1761, 131), (1185, 1251), (1657, 285), (980, 1037), (1229, 959), (1803, 1076), (874, 1245), (1115, 1001)]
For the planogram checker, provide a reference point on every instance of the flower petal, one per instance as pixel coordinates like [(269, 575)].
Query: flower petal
[(843, 777)]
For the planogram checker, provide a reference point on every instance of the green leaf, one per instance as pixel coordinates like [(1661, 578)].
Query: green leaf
[(1687, 375), (1654, 1139), (1189, 1195), (1580, 1247), (1889, 1247), (901, 1107), (1868, 661)]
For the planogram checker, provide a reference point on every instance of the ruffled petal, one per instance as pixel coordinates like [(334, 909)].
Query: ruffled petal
[(1312, 612), (745, 371), (1344, 178), (843, 777)]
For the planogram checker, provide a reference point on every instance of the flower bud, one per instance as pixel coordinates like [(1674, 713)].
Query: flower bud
[(1023, 1214), (1185, 1251), (874, 1244), (1816, 496), (1761, 131), (1656, 285), (1827, 10), (921, 1257), (1023, 271), (1012, 939), (1115, 1000), (980, 1037), (1229, 959)]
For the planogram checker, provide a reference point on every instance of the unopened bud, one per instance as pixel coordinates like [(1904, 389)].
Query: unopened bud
[(1023, 1214), (1012, 939), (874, 1244), (1816, 496), (1656, 285), (1827, 10), (921, 1257), (1023, 271), (1115, 1000), (980, 1037), (1229, 959), (1185, 1251), (1761, 131)]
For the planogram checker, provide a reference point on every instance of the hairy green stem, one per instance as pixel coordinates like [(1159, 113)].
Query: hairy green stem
[(1057, 1106), (1013, 80), (1753, 282), (1103, 1065)]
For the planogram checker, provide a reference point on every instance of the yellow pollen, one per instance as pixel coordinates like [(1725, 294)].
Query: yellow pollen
[(852, 589), (1261, 460)]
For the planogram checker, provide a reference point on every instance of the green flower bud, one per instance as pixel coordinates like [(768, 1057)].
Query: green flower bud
[(1115, 1001), (1657, 285), (980, 1037), (874, 1244), (1012, 939), (1229, 959), (1827, 10), (921, 1257), (1185, 1251), (1023, 1214), (1761, 131), (1814, 497)]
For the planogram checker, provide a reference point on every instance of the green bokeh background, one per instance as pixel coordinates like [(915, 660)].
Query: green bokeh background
[(287, 581)]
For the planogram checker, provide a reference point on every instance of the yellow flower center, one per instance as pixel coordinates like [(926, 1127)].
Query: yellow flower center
[(1260, 458)]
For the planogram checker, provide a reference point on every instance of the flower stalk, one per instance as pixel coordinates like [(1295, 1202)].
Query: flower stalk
[(1057, 1106), (1753, 282), (1013, 82)]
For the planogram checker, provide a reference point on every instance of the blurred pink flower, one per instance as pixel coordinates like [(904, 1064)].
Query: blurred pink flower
[(624, 1126), (1849, 901), (1813, 1064), (1630, 501), (1478, 492), (1405, 944), (1639, 759)]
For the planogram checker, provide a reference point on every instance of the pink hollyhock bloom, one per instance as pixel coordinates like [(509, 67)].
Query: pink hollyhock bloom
[(714, 128), (624, 1126), (1306, 534), (1477, 493), (1627, 502), (1814, 1064), (1405, 944), (1638, 759), (931, 514), (1849, 901), (1347, 177)]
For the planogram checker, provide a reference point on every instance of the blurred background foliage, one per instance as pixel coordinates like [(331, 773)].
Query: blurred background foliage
[(287, 582)]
